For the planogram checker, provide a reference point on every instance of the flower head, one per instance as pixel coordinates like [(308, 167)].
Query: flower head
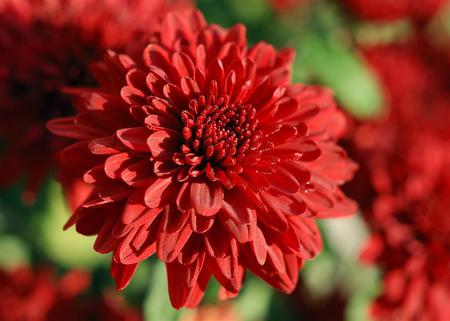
[(204, 153), (44, 46), (406, 157), (411, 228)]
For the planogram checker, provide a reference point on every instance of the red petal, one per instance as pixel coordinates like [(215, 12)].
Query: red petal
[(189, 87), (103, 146), (134, 138), (199, 289), (155, 55), (238, 208), (274, 218), (132, 96), (115, 164), (276, 256), (105, 241), (70, 128), (138, 174), (122, 274), (96, 175), (227, 270), (162, 168), (284, 134), (183, 65), (216, 241), (284, 182), (162, 122), (206, 198), (175, 95), (191, 250), (259, 246), (164, 143), (137, 246), (134, 207), (201, 224), (183, 280), (170, 245), (156, 194), (173, 219)]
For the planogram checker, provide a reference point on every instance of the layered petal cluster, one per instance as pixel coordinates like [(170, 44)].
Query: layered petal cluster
[(390, 10), (204, 153), (406, 160), (44, 46), (38, 295)]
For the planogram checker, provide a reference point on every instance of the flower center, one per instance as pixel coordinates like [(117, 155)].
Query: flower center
[(218, 132)]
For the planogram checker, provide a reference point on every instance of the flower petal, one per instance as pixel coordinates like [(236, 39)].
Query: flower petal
[(206, 198)]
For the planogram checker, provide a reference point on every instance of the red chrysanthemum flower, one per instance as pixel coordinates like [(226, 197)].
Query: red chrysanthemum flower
[(406, 160), (37, 295), (388, 10), (205, 154), (44, 46), (411, 227)]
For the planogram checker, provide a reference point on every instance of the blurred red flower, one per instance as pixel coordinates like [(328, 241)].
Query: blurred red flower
[(407, 162), (411, 227), (388, 10), (205, 154), (44, 46), (37, 295)]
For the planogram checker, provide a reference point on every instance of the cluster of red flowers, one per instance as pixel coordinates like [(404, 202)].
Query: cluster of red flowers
[(47, 45), (37, 295), (407, 162), (203, 152), (389, 10)]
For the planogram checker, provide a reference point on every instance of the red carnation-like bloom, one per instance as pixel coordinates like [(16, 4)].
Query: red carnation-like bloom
[(37, 295), (406, 160), (44, 46), (411, 227), (388, 10), (204, 153)]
